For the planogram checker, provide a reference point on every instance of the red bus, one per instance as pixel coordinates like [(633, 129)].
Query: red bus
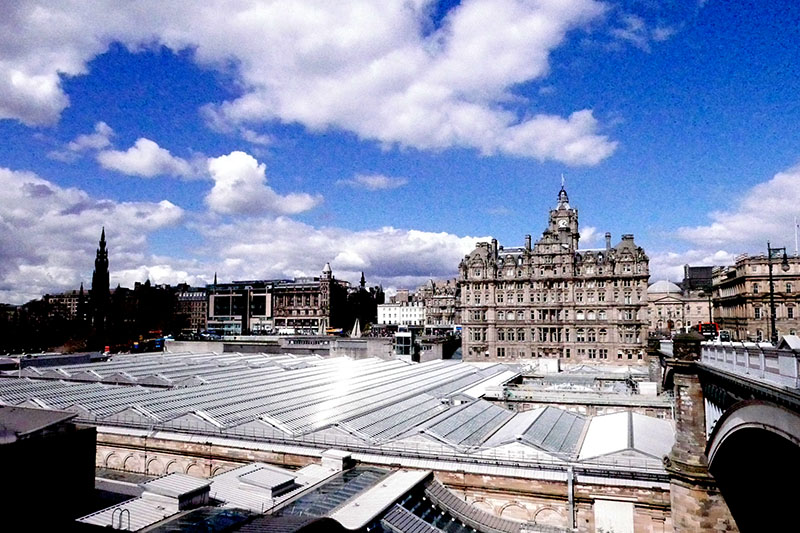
[(709, 330)]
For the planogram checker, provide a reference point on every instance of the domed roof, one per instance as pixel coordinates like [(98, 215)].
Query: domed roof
[(664, 287)]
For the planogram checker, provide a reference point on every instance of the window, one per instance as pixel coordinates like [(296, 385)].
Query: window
[(580, 335), (520, 334), (601, 297), (755, 288), (788, 287), (501, 315), (520, 298), (601, 315), (501, 352), (579, 315), (477, 298), (591, 336), (790, 312), (501, 334), (603, 335), (510, 335), (757, 312), (499, 297)]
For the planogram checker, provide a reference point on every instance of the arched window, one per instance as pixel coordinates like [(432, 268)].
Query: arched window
[(580, 335)]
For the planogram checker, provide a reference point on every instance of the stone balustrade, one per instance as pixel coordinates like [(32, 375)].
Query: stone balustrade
[(758, 361)]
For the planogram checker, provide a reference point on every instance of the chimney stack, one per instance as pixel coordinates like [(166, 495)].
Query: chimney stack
[(608, 241), (494, 248), (528, 243)]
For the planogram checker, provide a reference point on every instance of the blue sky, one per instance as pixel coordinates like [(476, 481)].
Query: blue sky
[(263, 139)]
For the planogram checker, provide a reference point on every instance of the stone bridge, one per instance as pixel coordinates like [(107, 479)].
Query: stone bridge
[(737, 449)]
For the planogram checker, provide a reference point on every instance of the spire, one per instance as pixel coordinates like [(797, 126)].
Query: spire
[(563, 199), (100, 291), (363, 281), (215, 278)]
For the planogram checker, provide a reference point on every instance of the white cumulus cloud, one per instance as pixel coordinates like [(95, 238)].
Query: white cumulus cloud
[(281, 247), (240, 187), (374, 182), (766, 212), (146, 159), (48, 234), (99, 139), (378, 69)]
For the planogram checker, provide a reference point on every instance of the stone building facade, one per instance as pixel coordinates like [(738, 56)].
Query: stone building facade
[(440, 298), (741, 297), (310, 305), (671, 309), (191, 308), (552, 299), (402, 314), (304, 305)]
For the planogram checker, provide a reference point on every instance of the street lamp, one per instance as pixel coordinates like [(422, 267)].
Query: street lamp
[(771, 253), (707, 293)]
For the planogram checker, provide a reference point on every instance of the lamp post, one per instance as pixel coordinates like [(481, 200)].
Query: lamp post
[(772, 252), (710, 314)]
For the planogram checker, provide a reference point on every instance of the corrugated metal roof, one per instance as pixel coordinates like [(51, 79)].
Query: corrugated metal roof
[(131, 515), (266, 478), (364, 508), (20, 421), (400, 520), (175, 485)]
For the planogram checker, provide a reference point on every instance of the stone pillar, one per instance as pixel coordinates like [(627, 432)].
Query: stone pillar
[(654, 363), (697, 504)]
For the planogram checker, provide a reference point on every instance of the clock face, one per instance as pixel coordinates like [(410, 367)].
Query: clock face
[(562, 223)]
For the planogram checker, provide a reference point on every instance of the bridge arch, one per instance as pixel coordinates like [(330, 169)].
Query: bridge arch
[(754, 455)]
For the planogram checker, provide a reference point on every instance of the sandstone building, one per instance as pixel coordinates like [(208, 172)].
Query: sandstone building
[(552, 299), (742, 297), (671, 309)]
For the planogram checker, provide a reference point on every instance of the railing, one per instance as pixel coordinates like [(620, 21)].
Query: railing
[(756, 361)]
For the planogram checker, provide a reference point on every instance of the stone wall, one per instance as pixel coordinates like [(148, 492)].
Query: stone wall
[(539, 501)]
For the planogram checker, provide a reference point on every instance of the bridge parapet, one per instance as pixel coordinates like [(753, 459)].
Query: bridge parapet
[(756, 361)]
